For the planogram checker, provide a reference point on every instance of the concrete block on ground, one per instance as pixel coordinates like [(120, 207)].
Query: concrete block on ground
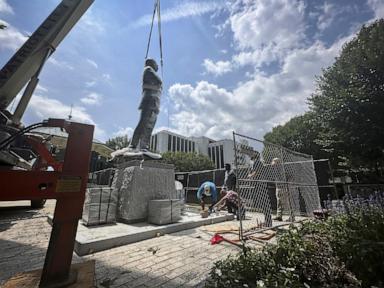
[(99, 206), (164, 211)]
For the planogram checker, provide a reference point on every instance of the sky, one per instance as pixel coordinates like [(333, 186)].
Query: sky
[(229, 65)]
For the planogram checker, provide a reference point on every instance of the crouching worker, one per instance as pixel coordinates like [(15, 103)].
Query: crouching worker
[(207, 190), (230, 199)]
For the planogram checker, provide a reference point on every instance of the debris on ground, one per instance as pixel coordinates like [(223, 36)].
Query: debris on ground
[(153, 250)]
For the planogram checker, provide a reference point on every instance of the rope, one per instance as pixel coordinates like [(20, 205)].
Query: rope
[(160, 38), (150, 31), (156, 8)]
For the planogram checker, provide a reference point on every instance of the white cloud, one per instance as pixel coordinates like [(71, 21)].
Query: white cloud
[(327, 16), (377, 7), (5, 7), (41, 88), (255, 106), (266, 31), (90, 84), (11, 38), (182, 10), (91, 23), (217, 68), (92, 98), (44, 107), (262, 23), (122, 131), (106, 77), (92, 63), (59, 63)]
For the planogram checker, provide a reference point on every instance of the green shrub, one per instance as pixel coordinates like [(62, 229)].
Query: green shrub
[(299, 260), (347, 250)]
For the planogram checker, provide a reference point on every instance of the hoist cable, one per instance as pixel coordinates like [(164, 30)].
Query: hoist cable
[(160, 37), (150, 32)]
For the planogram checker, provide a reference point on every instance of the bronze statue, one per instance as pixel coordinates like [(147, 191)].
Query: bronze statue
[(150, 108)]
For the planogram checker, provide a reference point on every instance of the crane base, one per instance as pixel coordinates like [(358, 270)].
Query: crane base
[(81, 275)]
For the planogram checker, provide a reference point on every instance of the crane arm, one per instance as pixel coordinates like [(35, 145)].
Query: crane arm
[(28, 60)]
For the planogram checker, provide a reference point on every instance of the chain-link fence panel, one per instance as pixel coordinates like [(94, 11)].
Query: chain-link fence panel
[(273, 180)]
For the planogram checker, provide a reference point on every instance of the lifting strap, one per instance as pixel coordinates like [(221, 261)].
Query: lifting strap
[(156, 8)]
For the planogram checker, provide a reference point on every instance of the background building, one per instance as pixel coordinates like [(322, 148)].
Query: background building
[(220, 152)]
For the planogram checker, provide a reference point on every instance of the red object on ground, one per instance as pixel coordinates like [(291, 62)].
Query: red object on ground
[(216, 239)]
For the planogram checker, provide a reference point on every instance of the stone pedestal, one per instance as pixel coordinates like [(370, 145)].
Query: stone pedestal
[(139, 182)]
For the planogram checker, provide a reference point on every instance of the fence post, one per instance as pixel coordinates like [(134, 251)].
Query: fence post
[(290, 196), (238, 190)]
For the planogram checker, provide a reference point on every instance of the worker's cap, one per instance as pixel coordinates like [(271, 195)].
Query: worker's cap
[(152, 63), (207, 190), (275, 160)]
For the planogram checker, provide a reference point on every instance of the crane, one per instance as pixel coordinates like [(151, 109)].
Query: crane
[(24, 157), (23, 179)]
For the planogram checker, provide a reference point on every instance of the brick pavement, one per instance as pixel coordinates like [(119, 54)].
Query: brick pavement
[(181, 259)]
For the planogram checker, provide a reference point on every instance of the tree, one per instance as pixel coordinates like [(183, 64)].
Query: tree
[(118, 142), (185, 162), (349, 101), (299, 134)]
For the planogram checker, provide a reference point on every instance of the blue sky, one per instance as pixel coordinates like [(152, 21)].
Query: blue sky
[(243, 65)]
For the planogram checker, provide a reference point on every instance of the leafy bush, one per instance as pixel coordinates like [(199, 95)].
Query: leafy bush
[(344, 251), (185, 162)]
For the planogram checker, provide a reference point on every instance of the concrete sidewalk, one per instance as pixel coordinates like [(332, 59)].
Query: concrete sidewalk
[(181, 259)]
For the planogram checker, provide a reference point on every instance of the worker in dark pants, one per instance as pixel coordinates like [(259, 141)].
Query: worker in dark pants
[(230, 178), (149, 106)]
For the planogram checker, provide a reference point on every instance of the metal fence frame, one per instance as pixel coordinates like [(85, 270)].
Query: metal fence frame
[(294, 179)]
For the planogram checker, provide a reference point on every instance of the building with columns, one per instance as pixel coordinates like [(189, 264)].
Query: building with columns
[(220, 152)]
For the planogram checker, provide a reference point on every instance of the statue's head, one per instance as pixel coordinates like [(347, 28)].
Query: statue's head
[(151, 63)]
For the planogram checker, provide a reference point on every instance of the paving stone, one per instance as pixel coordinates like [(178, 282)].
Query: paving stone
[(181, 259)]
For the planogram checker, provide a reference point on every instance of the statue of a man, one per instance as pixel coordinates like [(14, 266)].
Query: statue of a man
[(149, 106)]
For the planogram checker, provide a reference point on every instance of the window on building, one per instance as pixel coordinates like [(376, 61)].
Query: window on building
[(151, 143), (217, 157), (182, 145), (173, 143), (155, 144), (209, 153), (169, 143), (189, 146), (221, 156), (213, 155), (178, 144), (193, 147)]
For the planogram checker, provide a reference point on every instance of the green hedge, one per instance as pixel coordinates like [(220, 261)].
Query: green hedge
[(346, 250)]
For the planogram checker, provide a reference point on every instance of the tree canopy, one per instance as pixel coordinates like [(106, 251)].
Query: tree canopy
[(185, 162), (299, 134), (346, 118), (349, 101), (118, 142)]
